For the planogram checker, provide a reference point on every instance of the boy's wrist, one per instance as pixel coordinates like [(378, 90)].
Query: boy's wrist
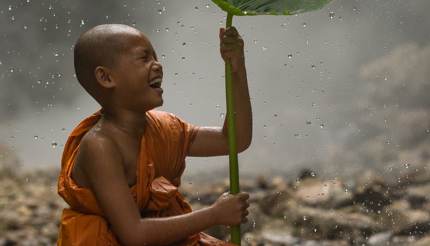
[(212, 213)]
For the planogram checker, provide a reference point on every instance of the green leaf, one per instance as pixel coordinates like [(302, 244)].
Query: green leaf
[(269, 7)]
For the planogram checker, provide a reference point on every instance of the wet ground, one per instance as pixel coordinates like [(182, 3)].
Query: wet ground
[(306, 210)]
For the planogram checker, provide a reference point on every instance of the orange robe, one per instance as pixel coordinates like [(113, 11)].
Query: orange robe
[(160, 166)]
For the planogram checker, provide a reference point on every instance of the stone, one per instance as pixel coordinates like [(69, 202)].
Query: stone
[(402, 219), (327, 194), (380, 239)]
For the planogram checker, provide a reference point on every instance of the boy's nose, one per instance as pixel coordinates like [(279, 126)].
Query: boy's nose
[(157, 67)]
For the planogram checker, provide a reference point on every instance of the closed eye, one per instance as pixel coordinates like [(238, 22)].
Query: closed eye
[(147, 58)]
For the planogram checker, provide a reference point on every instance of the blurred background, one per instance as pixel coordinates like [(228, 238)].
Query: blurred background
[(337, 90)]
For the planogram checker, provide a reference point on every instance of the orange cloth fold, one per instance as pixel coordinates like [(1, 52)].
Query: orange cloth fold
[(160, 165)]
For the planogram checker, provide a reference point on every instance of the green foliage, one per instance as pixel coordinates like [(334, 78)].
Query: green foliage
[(269, 7)]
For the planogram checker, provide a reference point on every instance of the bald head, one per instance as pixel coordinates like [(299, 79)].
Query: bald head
[(100, 46)]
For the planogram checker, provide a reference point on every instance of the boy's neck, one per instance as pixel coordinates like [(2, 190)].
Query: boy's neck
[(132, 123)]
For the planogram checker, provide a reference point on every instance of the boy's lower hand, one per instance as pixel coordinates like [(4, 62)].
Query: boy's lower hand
[(231, 47), (231, 209)]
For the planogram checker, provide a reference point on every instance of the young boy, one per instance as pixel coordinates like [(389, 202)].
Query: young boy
[(121, 166)]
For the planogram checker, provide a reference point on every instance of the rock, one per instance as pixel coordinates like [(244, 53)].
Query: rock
[(256, 219), (425, 241), (278, 232), (279, 238), (274, 203), (417, 175), (325, 243), (306, 173), (262, 183), (418, 195), (319, 223), (402, 219), (372, 192), (327, 194), (380, 239), (279, 183), (251, 239)]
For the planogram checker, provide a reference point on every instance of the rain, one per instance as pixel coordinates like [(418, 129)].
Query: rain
[(339, 100)]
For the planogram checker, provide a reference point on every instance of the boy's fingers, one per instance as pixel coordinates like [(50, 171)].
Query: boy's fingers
[(230, 40), (221, 32), (231, 30), (243, 195)]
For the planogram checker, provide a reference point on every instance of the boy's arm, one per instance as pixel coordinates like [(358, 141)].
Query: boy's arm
[(108, 182), (212, 141)]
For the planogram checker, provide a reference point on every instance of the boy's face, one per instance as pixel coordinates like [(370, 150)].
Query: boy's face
[(138, 75)]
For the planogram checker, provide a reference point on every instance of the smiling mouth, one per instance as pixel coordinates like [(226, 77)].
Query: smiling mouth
[(156, 83)]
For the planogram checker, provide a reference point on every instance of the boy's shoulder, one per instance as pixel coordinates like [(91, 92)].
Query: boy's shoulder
[(163, 118), (161, 115), (97, 149)]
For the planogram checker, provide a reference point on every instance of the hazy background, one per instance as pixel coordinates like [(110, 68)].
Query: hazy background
[(337, 90)]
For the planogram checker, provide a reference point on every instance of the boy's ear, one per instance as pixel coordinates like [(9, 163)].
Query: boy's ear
[(103, 77)]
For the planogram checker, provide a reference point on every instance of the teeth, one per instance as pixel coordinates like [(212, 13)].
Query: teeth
[(155, 81)]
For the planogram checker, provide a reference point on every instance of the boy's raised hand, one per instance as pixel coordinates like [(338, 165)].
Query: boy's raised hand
[(231, 47)]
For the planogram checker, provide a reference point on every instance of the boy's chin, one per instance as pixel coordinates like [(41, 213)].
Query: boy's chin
[(157, 104)]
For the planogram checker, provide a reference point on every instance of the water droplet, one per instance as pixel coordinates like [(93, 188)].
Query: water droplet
[(25, 27), (304, 218), (290, 56), (166, 29), (275, 115), (313, 66), (221, 115), (255, 41), (406, 165), (304, 24), (196, 7), (50, 7), (82, 23), (183, 44), (163, 56), (176, 74), (427, 130), (284, 25), (54, 145), (308, 122), (264, 48), (315, 230), (217, 106), (322, 126), (36, 137), (160, 11), (10, 8), (331, 15), (207, 6), (355, 9), (183, 58)]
